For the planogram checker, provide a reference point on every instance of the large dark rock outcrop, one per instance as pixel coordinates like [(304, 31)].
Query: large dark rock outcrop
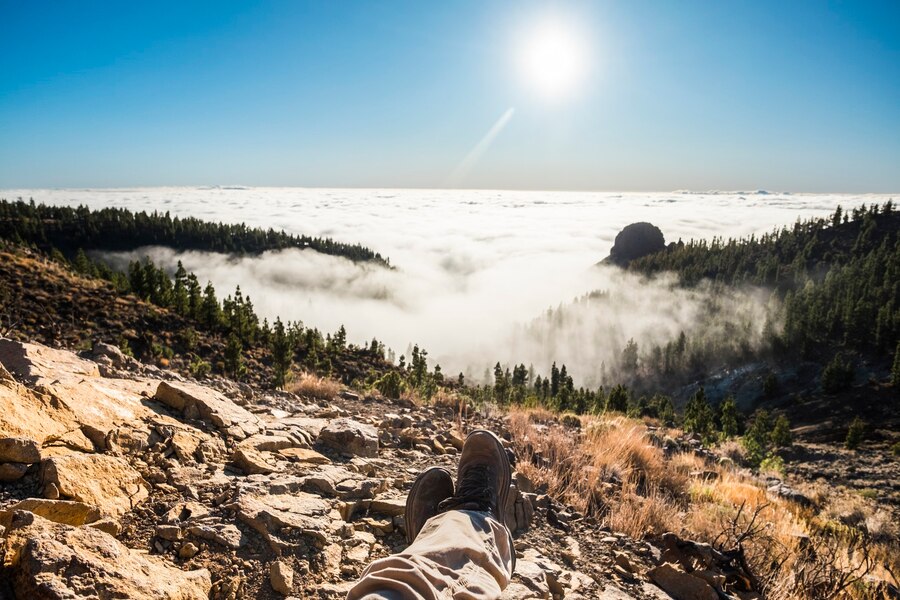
[(635, 241)]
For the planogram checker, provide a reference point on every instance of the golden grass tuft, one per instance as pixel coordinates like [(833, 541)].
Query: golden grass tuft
[(609, 468), (313, 386)]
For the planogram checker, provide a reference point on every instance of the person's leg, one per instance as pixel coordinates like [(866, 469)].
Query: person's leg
[(465, 552), (459, 554)]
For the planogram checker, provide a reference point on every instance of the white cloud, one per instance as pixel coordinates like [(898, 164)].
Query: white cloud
[(472, 266)]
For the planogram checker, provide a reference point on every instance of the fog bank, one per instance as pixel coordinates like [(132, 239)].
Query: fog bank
[(474, 268)]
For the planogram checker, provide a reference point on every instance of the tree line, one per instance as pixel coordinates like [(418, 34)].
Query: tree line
[(69, 229), (838, 277)]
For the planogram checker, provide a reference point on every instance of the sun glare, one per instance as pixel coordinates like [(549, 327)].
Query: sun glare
[(552, 57)]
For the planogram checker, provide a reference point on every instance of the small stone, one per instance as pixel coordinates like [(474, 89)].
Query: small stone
[(168, 532), (623, 561), (188, 551), (281, 576), (51, 492)]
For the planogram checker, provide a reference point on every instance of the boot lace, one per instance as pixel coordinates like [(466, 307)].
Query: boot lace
[(474, 491)]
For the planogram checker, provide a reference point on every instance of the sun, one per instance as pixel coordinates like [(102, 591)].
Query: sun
[(552, 57)]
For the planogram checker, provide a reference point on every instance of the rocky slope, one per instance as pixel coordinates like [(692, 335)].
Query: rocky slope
[(123, 480)]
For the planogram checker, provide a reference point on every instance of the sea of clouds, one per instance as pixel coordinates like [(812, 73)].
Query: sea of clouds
[(472, 267)]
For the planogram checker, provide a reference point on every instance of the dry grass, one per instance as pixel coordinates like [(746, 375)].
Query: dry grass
[(313, 386), (610, 469)]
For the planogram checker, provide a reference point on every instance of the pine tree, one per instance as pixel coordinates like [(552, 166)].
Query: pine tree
[(210, 311), (781, 433), (895, 370), (698, 414), (180, 299), (617, 401), (234, 357), (282, 353), (756, 440), (630, 357), (729, 418)]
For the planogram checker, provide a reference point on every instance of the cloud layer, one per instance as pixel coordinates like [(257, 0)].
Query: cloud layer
[(472, 266)]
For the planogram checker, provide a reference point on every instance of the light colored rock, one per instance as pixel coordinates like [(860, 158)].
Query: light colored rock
[(67, 512), (331, 556), (281, 576), (185, 444), (681, 585), (224, 534), (188, 551), (388, 506), (68, 395), (350, 437), (50, 561), (207, 404), (305, 455), (108, 526), (27, 413), (107, 482), (251, 461), (170, 533), (19, 450), (332, 480), (12, 471), (269, 513), (517, 591), (34, 361)]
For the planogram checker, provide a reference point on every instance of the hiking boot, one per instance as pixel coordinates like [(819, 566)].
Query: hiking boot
[(433, 485), (483, 477)]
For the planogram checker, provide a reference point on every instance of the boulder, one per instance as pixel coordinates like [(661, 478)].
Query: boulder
[(19, 450), (67, 512), (268, 514), (69, 399), (107, 482), (635, 241), (195, 401), (681, 585), (350, 437), (251, 461), (51, 561)]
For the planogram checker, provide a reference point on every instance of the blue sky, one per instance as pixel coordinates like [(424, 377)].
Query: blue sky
[(800, 96)]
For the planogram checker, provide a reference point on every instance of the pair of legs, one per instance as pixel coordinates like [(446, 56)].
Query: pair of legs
[(460, 547)]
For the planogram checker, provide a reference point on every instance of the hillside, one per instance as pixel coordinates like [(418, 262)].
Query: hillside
[(197, 490), (117, 229), (613, 483)]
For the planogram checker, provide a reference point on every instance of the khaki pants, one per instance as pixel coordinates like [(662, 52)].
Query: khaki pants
[(458, 555)]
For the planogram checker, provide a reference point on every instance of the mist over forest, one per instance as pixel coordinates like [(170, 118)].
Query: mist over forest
[(481, 277)]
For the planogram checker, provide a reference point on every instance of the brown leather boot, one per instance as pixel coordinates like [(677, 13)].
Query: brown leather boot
[(433, 485), (483, 477)]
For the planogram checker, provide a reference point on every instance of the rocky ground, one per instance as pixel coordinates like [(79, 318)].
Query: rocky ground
[(124, 480)]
